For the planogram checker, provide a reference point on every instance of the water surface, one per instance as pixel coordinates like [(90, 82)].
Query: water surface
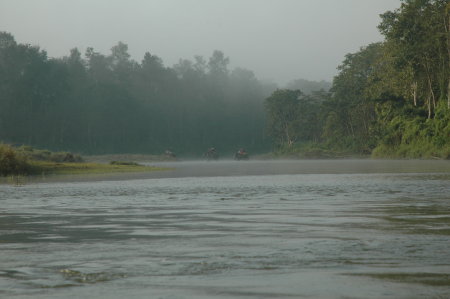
[(286, 229)]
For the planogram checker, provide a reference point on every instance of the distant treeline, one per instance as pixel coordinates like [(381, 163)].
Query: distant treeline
[(390, 99), (95, 103)]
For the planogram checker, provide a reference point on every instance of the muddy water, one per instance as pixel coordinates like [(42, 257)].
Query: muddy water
[(291, 229)]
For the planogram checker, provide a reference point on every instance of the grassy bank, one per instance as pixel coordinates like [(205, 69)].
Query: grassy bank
[(48, 168), (127, 157), (26, 161)]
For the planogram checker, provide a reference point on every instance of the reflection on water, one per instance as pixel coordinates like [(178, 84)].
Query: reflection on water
[(347, 233)]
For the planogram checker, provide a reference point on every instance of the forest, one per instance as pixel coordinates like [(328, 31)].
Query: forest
[(97, 104), (390, 99)]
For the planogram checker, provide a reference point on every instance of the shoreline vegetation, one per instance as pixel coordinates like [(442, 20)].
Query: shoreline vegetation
[(24, 164), (390, 99), (17, 163), (424, 151)]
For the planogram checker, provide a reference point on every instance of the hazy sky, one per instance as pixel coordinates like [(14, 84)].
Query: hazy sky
[(279, 40)]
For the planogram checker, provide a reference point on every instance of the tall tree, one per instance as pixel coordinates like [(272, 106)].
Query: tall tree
[(350, 113), (417, 38), (283, 116)]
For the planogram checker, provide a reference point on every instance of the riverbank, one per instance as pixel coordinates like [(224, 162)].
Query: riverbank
[(226, 168), (318, 151), (107, 158), (19, 165), (77, 172), (49, 168)]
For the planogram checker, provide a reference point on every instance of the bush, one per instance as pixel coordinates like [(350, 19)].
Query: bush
[(45, 155), (11, 163)]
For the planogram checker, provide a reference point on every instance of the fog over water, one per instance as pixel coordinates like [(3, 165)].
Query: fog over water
[(278, 40)]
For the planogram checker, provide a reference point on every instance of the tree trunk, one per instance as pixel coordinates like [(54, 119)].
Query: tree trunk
[(430, 87), (432, 93), (414, 92), (289, 140)]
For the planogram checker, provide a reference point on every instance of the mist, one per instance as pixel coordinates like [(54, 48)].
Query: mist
[(279, 40)]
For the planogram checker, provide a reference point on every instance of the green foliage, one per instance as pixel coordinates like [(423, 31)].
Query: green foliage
[(416, 137), (26, 160), (108, 103), (292, 116), (41, 167), (417, 52), (283, 115), (11, 163), (34, 154), (392, 99), (314, 150)]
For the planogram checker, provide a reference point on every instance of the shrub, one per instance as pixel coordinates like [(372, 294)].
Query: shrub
[(12, 163), (45, 155)]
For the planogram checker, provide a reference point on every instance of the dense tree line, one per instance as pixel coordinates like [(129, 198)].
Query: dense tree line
[(389, 99), (96, 103)]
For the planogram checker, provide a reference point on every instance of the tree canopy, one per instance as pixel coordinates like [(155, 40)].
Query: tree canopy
[(112, 104), (390, 98)]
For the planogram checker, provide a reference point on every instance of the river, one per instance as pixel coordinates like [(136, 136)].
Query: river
[(250, 229)]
